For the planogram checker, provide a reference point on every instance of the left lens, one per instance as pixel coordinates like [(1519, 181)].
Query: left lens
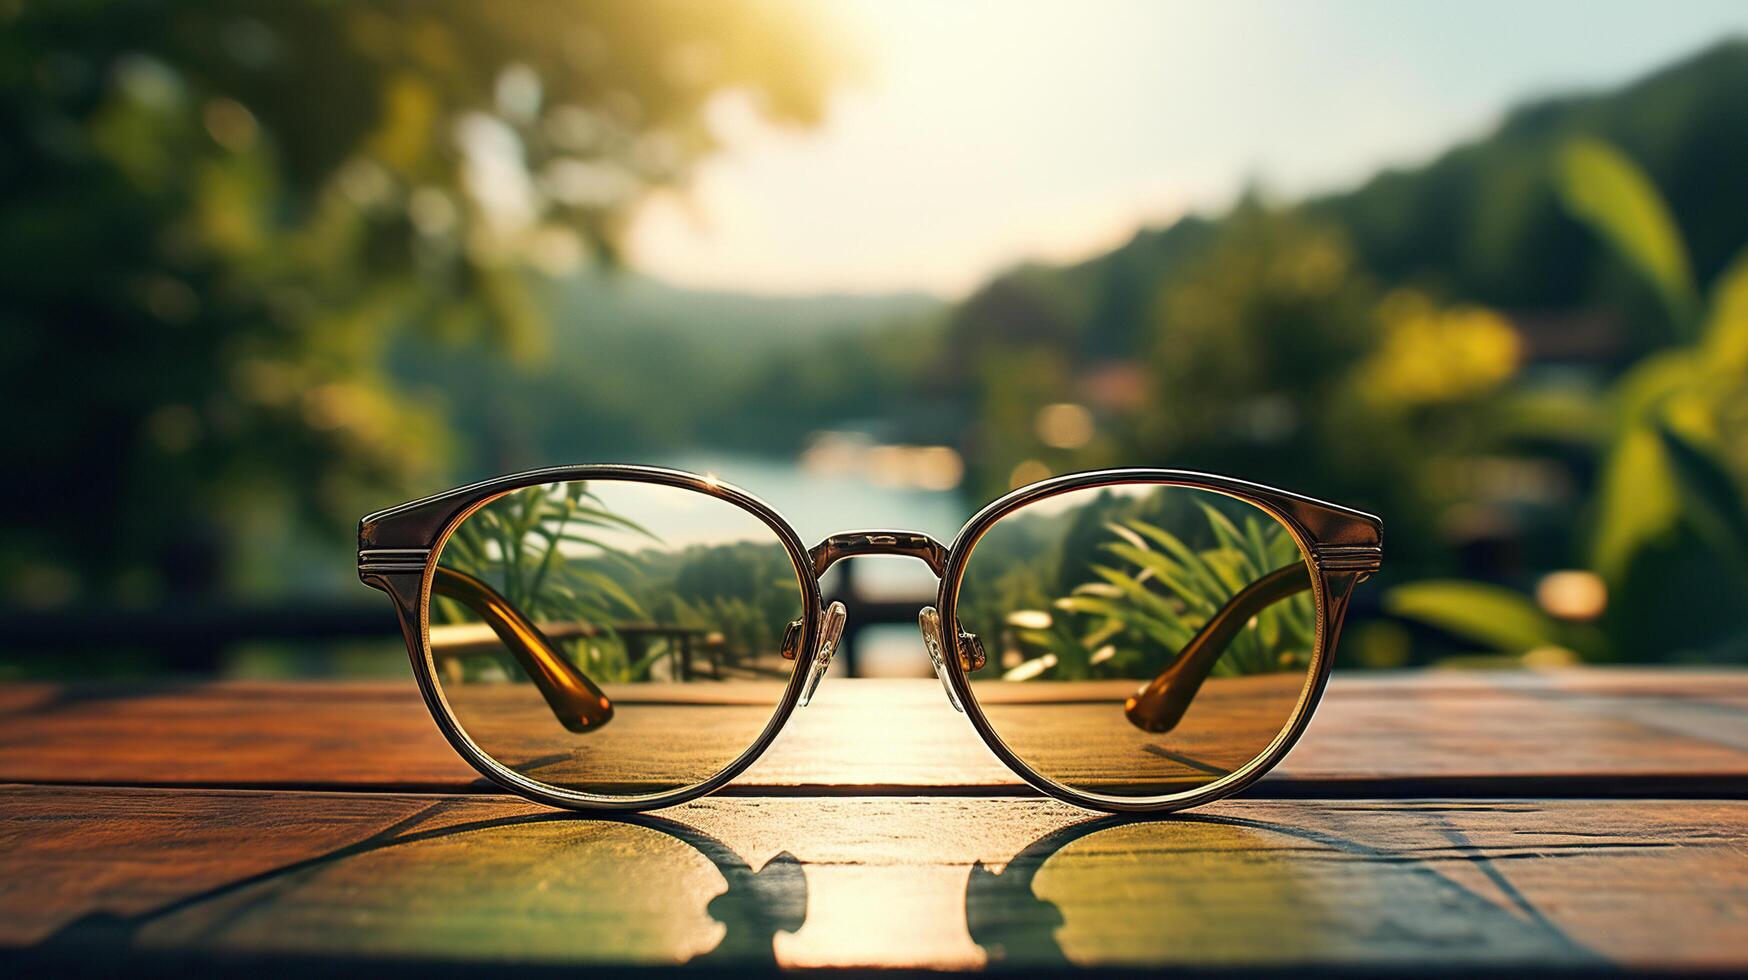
[(615, 638), (1143, 640)]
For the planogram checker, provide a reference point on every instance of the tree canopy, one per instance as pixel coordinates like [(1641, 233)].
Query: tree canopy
[(215, 215)]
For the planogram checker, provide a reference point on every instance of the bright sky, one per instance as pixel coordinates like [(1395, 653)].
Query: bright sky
[(993, 131)]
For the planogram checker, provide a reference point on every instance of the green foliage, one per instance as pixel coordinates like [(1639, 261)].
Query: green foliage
[(744, 591), (1609, 192), (760, 373), (561, 556), (215, 216), (219, 219), (1497, 620), (1345, 346), (1239, 371), (1669, 483), (1270, 350), (1154, 592), (1494, 616), (1670, 531), (1485, 223), (517, 544)]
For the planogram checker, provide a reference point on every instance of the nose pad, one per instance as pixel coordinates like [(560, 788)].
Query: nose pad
[(929, 622), (831, 627)]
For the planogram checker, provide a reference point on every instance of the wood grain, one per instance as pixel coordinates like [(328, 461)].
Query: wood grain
[(876, 881), (867, 837), (1582, 732)]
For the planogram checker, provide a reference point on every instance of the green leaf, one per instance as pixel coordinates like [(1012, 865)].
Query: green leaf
[(1172, 544), (1091, 606), (1497, 617), (1726, 330), (1136, 591), (1638, 501), (1563, 414), (1126, 534), (605, 518), (1607, 191), (1170, 575), (1257, 545), (640, 670), (1169, 633), (1712, 502), (1231, 570), (1224, 530)]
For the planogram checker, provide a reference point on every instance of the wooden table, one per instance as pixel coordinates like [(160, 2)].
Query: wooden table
[(1579, 820)]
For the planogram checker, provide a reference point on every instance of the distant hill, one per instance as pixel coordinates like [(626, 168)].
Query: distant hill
[(633, 367), (731, 331), (1481, 221), (636, 367), (1478, 223)]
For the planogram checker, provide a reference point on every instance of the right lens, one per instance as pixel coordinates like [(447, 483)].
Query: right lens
[(616, 638), (1143, 640)]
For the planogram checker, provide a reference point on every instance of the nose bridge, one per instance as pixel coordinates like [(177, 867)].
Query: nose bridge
[(907, 544)]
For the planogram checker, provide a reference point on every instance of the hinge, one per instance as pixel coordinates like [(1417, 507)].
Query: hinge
[(393, 559), (1349, 557)]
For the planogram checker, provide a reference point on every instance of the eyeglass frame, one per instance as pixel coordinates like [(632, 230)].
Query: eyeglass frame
[(398, 550)]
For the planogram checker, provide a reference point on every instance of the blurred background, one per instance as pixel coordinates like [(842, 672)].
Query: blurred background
[(1479, 269)]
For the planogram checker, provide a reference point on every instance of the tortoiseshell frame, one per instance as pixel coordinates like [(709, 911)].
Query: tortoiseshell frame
[(398, 551)]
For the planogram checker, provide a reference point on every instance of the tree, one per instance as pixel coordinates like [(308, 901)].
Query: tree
[(217, 214), (1668, 528), (1671, 529)]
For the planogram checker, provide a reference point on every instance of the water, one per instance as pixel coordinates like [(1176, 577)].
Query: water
[(818, 505)]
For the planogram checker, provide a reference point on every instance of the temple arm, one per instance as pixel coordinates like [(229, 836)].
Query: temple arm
[(1160, 705), (578, 704)]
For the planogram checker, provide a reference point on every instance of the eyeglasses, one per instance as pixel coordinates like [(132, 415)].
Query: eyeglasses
[(627, 638)]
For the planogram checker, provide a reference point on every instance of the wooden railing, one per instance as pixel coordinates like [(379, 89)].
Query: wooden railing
[(195, 637)]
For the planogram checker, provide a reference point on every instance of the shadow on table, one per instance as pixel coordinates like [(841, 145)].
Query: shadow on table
[(1212, 890), (493, 915), (435, 889)]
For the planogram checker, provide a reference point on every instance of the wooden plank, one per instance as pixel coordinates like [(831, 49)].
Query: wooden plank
[(1610, 732), (874, 882)]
